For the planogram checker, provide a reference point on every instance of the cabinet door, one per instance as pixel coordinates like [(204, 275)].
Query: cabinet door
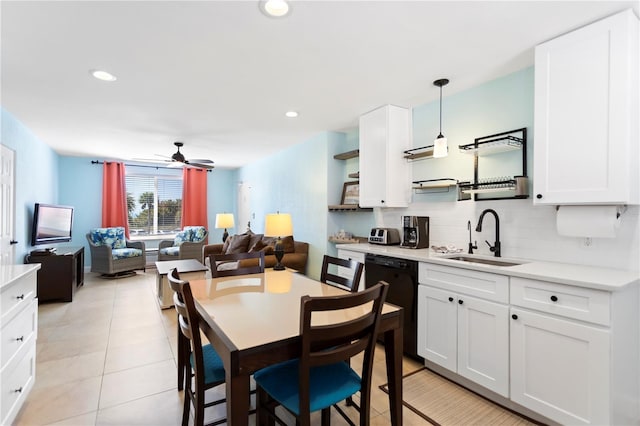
[(559, 368), (384, 174), (586, 114), (373, 164), (437, 323), (483, 343)]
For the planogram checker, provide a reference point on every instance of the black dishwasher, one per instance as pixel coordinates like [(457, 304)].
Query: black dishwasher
[(402, 276)]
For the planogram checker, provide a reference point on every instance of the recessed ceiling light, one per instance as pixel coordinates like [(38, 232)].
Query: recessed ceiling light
[(275, 8), (291, 114), (102, 75)]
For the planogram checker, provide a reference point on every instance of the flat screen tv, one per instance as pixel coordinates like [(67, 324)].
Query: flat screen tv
[(51, 224)]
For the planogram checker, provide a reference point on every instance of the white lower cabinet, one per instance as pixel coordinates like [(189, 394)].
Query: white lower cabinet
[(568, 353), (463, 333), (560, 368), (18, 334), (575, 352)]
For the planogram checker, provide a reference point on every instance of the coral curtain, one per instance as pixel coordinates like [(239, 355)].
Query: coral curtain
[(194, 197), (114, 196)]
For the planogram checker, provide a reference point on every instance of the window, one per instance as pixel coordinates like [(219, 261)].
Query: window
[(144, 193)]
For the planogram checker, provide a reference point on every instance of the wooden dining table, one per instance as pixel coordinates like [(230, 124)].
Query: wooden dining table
[(253, 321)]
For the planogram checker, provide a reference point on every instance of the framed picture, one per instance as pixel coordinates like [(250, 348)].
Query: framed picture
[(350, 193)]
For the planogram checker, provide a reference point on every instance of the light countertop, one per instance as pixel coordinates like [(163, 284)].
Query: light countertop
[(607, 279), (10, 273)]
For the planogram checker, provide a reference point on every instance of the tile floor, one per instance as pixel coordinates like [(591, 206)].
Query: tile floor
[(109, 358)]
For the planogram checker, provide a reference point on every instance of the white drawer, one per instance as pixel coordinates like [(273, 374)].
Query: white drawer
[(474, 283), (351, 255), (16, 296), (16, 383), (568, 301), (18, 332)]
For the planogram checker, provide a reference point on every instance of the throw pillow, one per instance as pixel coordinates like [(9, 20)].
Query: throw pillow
[(288, 245), (226, 244), (258, 246), (181, 237), (238, 244), (255, 238)]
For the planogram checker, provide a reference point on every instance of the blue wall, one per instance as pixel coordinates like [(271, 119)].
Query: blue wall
[(294, 181), (36, 177)]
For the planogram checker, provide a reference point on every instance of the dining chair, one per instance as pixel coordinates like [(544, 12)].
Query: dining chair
[(328, 277), (224, 265), (206, 368), (321, 376)]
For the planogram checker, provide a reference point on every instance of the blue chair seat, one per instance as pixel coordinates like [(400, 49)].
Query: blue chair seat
[(213, 368), (329, 384), (170, 251), (125, 253)]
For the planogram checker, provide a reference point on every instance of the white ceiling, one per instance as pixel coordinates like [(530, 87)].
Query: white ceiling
[(219, 75)]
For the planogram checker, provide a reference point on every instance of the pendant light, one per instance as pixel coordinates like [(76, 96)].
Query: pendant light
[(440, 147)]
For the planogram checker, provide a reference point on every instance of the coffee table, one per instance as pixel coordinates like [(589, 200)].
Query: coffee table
[(189, 269)]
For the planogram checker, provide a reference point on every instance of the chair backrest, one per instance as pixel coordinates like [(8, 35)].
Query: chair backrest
[(328, 277), (188, 319), (324, 343), (218, 262)]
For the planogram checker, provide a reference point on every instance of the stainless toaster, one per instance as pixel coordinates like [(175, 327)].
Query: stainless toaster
[(384, 236)]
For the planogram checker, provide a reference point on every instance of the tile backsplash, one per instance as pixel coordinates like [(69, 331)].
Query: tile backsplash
[(526, 231)]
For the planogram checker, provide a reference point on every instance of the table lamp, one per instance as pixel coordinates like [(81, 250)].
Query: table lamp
[(278, 225), (224, 220)]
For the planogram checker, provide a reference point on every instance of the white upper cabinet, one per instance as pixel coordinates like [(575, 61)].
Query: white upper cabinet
[(586, 115), (384, 173)]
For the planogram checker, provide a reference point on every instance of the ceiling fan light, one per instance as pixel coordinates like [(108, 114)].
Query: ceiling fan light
[(440, 147)]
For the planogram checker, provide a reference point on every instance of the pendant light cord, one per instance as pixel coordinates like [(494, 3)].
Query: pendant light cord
[(440, 135)]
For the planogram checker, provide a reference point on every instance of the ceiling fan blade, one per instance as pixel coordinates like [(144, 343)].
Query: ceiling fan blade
[(175, 165), (199, 160), (199, 165), (163, 156), (150, 160)]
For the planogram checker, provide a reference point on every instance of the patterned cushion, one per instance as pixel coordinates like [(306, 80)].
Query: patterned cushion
[(124, 253), (113, 237), (197, 233), (181, 237), (170, 251)]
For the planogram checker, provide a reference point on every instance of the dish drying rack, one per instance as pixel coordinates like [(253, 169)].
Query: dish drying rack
[(502, 187)]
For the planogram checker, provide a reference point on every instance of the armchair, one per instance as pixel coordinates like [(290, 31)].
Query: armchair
[(112, 254), (187, 244)]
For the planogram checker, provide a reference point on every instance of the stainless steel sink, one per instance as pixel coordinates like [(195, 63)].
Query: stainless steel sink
[(483, 261)]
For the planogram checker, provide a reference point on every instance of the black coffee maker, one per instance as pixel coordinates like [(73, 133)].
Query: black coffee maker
[(415, 232)]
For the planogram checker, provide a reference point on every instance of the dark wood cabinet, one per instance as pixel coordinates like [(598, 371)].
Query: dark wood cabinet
[(59, 274)]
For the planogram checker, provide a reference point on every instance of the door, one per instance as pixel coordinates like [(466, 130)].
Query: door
[(483, 343), (7, 207), (437, 324), (559, 368)]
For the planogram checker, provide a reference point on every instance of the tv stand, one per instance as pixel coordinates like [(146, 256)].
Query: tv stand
[(61, 272)]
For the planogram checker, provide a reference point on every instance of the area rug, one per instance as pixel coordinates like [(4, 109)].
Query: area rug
[(442, 402)]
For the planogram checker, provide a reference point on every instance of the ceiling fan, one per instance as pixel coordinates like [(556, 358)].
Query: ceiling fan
[(178, 160)]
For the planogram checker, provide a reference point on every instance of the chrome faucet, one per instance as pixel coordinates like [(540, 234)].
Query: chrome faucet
[(471, 245), (495, 248)]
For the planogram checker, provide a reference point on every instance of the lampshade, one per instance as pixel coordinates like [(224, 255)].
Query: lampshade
[(278, 225), (224, 220), (440, 148)]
